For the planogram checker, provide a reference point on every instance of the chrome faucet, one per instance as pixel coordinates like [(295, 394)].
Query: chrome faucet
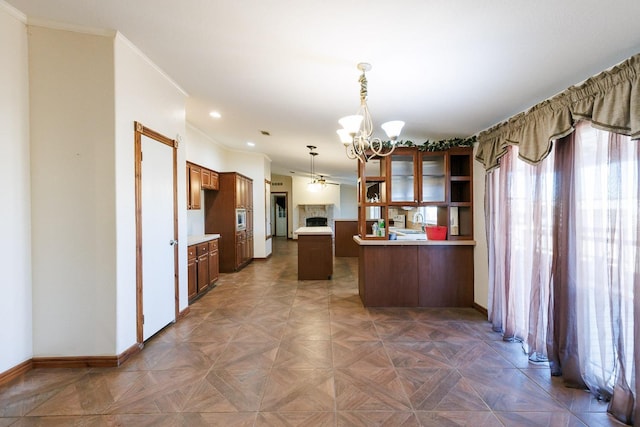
[(415, 218)]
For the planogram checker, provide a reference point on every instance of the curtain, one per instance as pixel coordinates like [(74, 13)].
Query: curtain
[(564, 261), (598, 248), (610, 100), (519, 230)]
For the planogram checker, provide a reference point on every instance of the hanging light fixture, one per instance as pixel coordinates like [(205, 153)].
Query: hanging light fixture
[(357, 129), (314, 185)]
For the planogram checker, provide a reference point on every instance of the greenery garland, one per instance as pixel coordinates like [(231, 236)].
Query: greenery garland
[(442, 145)]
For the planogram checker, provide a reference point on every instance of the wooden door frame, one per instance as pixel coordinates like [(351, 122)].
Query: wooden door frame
[(141, 130), (285, 194)]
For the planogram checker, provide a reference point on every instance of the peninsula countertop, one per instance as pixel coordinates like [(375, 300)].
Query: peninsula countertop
[(412, 241)]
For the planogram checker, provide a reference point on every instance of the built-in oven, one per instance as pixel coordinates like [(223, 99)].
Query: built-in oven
[(241, 219)]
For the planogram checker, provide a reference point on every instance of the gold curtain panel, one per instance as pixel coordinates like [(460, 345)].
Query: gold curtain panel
[(610, 100)]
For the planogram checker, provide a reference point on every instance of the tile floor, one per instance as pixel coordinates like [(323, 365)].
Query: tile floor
[(263, 349)]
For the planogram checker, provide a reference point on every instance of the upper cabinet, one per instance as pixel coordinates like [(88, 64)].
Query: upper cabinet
[(210, 180), (437, 183), (433, 178), (194, 186), (417, 177), (403, 172), (198, 179)]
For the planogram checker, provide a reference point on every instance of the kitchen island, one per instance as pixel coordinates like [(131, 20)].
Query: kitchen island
[(415, 272), (315, 253)]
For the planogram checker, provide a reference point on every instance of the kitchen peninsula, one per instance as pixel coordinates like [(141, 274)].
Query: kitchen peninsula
[(415, 273), (399, 197), (315, 253)]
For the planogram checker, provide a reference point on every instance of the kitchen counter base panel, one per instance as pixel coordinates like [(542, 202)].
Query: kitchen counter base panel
[(416, 275)]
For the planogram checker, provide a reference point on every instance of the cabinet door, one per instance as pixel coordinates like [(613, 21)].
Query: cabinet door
[(241, 241), (206, 178), (240, 190), (215, 181), (403, 183), (195, 187), (433, 182), (192, 274), (214, 262), (203, 272)]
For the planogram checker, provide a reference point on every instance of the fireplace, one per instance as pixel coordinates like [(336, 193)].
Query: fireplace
[(316, 221), (315, 215)]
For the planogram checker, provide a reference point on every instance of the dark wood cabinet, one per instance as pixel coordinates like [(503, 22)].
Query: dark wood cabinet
[(202, 268), (315, 257), (433, 275), (388, 276), (235, 245), (345, 230), (199, 178), (445, 274), (194, 186), (192, 272), (209, 179), (441, 181), (214, 262)]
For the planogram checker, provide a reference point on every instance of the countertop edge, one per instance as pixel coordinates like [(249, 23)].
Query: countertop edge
[(372, 242), (314, 231), (195, 240)]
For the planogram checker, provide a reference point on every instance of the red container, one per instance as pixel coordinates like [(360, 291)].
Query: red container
[(436, 232)]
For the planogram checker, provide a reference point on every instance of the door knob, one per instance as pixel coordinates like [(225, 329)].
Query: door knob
[(173, 242)]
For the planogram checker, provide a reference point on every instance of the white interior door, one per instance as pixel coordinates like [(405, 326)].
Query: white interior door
[(158, 275)]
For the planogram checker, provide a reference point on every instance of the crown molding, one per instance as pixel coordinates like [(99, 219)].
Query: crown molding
[(22, 17)]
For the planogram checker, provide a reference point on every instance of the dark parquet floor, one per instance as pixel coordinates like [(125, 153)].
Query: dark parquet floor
[(264, 349)]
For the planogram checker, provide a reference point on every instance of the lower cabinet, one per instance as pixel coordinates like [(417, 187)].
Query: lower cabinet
[(202, 267), (315, 257), (244, 248), (214, 262), (416, 275)]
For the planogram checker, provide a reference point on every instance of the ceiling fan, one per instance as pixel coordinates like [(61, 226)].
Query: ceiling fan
[(317, 183), (324, 182)]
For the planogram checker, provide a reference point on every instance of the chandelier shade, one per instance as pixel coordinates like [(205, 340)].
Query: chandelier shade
[(357, 129)]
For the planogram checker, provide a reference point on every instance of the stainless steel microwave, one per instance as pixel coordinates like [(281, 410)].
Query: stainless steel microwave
[(241, 219)]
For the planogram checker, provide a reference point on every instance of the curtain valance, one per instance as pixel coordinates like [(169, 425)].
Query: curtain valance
[(610, 100)]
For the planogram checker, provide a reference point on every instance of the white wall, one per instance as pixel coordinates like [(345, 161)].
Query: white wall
[(284, 184), (480, 254), (73, 195), (145, 94), (330, 195), (257, 167), (202, 150), (15, 192), (348, 202)]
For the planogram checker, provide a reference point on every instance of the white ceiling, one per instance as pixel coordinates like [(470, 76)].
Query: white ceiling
[(447, 68)]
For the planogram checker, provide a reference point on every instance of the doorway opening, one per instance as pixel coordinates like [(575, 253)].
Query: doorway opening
[(279, 215)]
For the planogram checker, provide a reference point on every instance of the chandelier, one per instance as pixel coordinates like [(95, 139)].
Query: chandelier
[(357, 129)]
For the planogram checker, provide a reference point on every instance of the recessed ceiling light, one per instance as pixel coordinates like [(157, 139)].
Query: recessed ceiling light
[(251, 144), (215, 114)]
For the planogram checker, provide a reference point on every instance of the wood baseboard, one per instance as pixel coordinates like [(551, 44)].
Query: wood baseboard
[(70, 362), (130, 352), (75, 362), (481, 309), (15, 372), (183, 314)]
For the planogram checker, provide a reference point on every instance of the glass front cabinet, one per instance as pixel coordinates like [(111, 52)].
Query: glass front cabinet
[(410, 189)]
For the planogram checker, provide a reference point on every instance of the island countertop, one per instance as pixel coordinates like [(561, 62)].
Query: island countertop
[(314, 231)]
